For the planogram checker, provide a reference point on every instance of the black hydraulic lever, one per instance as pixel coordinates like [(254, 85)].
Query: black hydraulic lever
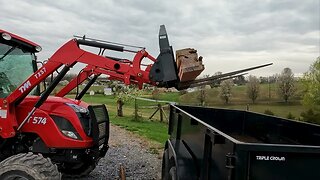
[(100, 45), (86, 88)]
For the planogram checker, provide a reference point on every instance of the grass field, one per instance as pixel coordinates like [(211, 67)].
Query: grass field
[(268, 100), (151, 129)]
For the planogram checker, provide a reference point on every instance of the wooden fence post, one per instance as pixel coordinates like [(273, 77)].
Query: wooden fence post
[(161, 112)]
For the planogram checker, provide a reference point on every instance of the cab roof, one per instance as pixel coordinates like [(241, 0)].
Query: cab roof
[(20, 39)]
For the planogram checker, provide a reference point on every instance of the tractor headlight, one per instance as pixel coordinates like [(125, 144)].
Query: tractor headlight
[(65, 127), (77, 108), (69, 134), (6, 36), (38, 48)]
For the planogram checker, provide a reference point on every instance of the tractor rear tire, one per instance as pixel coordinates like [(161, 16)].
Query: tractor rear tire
[(28, 166)]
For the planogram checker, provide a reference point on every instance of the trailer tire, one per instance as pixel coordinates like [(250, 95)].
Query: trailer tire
[(173, 173), (165, 165), (28, 166)]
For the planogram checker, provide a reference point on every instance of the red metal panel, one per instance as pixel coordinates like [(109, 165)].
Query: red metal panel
[(48, 131)]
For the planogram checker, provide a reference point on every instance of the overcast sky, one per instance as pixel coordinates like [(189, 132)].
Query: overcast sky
[(229, 34)]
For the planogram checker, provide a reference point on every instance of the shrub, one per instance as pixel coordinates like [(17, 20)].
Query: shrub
[(268, 112), (155, 94), (311, 117), (290, 116), (182, 92)]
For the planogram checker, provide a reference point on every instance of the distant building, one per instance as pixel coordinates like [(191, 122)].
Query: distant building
[(189, 90), (107, 91)]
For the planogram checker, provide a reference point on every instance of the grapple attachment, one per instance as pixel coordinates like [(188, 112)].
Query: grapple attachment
[(164, 71)]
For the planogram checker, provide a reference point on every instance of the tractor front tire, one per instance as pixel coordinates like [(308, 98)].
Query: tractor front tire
[(28, 166)]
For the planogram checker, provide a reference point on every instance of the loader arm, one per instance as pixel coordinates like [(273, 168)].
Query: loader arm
[(80, 78), (161, 71), (70, 54)]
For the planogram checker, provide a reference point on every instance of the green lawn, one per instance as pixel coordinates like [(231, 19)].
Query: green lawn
[(153, 130)]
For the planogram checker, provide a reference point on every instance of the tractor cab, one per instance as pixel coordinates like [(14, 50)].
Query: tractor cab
[(17, 62)]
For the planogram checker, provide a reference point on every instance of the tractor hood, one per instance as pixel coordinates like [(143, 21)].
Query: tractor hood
[(51, 103)]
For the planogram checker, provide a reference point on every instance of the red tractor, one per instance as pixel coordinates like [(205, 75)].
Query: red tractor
[(43, 135)]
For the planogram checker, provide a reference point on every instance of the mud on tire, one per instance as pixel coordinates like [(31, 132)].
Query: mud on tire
[(28, 166)]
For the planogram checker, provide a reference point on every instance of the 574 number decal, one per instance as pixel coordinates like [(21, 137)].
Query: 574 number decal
[(38, 120)]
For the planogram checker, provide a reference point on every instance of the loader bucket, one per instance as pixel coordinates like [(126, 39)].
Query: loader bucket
[(164, 71)]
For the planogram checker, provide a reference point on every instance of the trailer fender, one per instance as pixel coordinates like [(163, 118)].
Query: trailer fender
[(181, 159)]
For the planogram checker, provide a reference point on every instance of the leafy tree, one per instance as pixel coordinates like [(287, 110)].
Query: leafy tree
[(225, 90), (264, 80), (311, 81), (240, 80), (215, 83), (124, 94), (253, 88), (272, 79), (285, 84)]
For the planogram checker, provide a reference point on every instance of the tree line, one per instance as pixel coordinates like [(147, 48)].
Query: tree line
[(286, 88), (284, 81)]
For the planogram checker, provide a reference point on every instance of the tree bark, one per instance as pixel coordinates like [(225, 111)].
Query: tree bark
[(119, 107)]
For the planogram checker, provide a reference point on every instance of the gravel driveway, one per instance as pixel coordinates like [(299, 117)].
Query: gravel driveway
[(130, 151)]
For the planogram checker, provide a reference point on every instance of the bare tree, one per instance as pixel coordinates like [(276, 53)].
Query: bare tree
[(120, 96), (202, 93), (286, 84), (225, 90), (253, 88)]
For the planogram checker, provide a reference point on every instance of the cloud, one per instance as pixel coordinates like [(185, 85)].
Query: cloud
[(229, 34)]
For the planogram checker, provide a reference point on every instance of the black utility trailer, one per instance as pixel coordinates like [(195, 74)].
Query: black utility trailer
[(210, 143)]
